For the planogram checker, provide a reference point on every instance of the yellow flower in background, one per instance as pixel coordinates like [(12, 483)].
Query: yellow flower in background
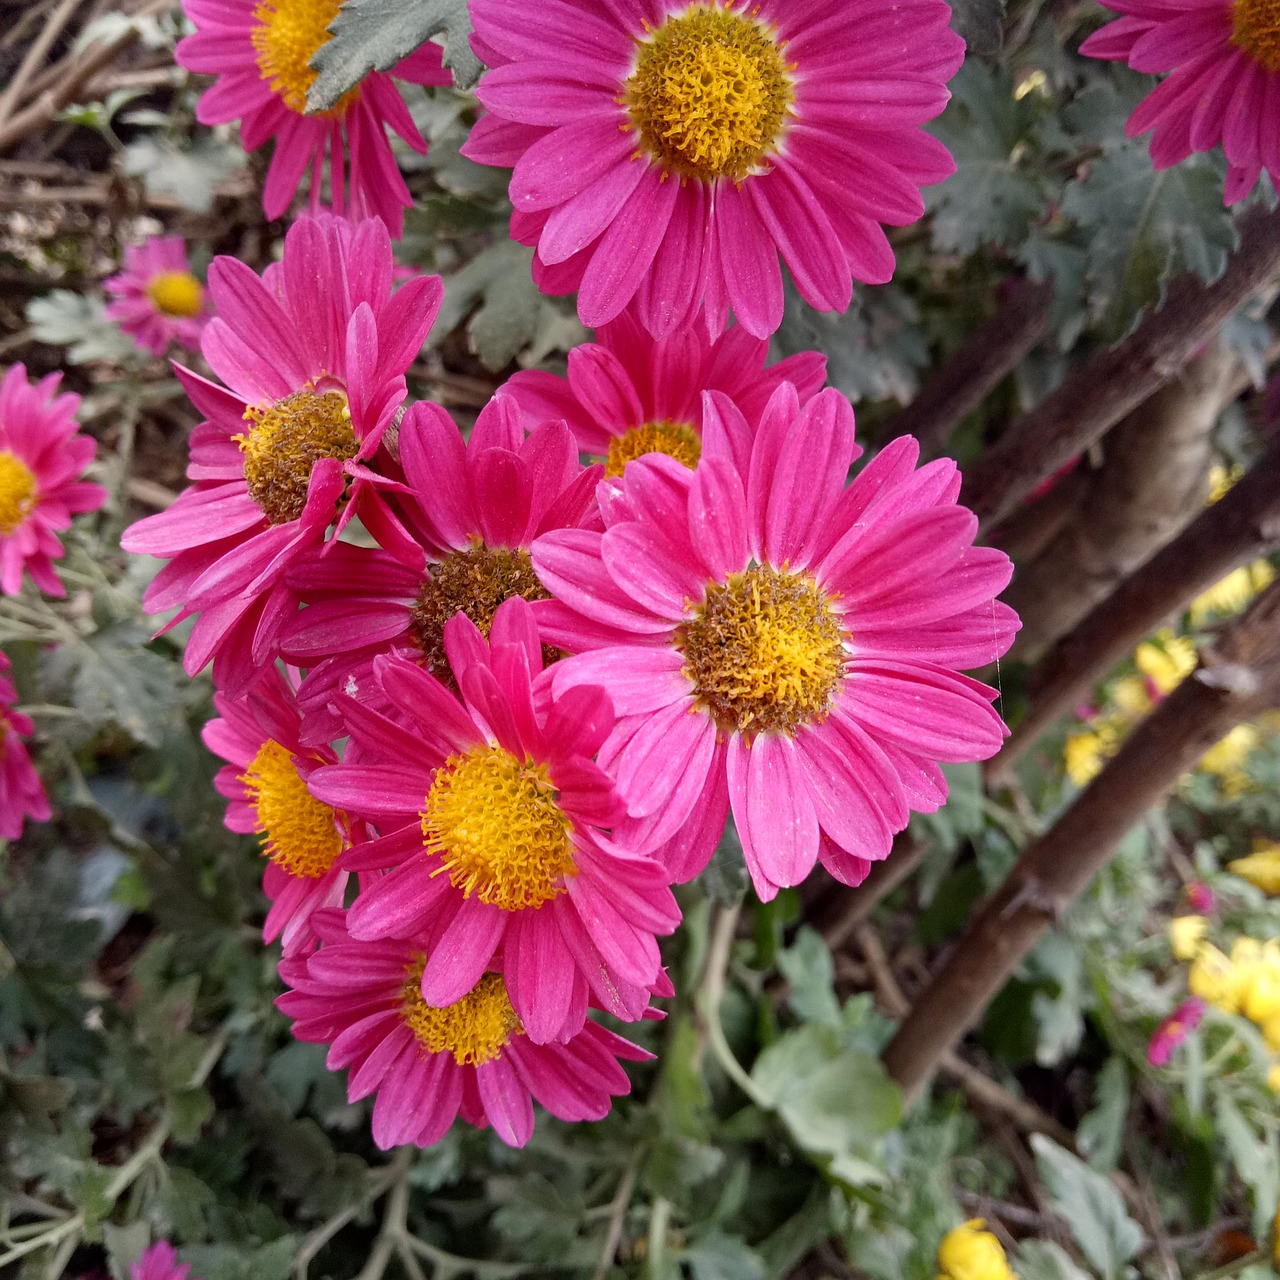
[(1261, 867), (971, 1253), (1273, 1078), (1214, 978), (1271, 1033), (1186, 933), (1226, 760), (1131, 699), (1166, 660), (1235, 591), (1260, 993), (1221, 479), (1084, 755)]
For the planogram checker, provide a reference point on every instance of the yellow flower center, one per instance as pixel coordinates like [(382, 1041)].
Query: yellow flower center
[(677, 440), (299, 832), (286, 440), (496, 824), (17, 491), (1256, 26), (474, 581), (709, 93), (286, 35), (176, 293), (474, 1029), (765, 651)]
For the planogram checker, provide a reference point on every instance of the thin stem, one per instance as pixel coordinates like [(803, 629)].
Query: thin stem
[(659, 1220), (711, 992), (617, 1216)]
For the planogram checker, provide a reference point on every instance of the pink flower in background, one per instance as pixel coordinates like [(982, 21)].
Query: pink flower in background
[(1174, 1030), (629, 394), (42, 458), (668, 151), (494, 816), (260, 51), (428, 1065), (780, 644), (1200, 898), (157, 299), (313, 356), (22, 793), (160, 1262), (266, 785), (1224, 86)]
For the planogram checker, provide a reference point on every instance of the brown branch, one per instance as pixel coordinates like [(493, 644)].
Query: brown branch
[(1243, 525), (34, 56), (1236, 682), (1115, 381), (976, 367), (856, 905)]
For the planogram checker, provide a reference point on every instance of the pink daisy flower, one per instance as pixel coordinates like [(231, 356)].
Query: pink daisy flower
[(157, 299), (261, 50), (266, 787), (461, 542), (42, 458), (313, 356), (22, 793), (1174, 1030), (668, 151), (629, 394), (781, 644), (1224, 86), (494, 815), (160, 1262), (429, 1064)]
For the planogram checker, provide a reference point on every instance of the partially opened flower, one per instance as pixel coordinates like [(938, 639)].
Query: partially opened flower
[(157, 300), (1224, 86), (495, 818), (22, 793), (42, 457), (266, 786), (668, 151), (314, 356), (779, 643), (261, 51), (1174, 1030), (427, 1064), (160, 1262), (629, 394)]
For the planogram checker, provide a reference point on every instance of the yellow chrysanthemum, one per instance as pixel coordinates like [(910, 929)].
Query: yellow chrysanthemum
[(1186, 933), (1232, 593), (971, 1253), (1084, 755), (1215, 979), (1261, 867), (1226, 760), (1166, 660)]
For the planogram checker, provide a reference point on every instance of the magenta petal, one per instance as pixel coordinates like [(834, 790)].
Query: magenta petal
[(461, 956)]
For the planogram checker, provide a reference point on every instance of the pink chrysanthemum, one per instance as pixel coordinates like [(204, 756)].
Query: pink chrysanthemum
[(429, 1064), (1224, 56), (460, 543), (669, 150), (22, 793), (42, 457), (260, 50), (160, 1262), (494, 815), (629, 394), (157, 299), (1174, 1030), (776, 642), (314, 355), (266, 786)]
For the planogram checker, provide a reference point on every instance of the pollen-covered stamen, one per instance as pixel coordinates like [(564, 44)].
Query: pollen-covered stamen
[(17, 491), (710, 91), (176, 293), (765, 651), (286, 35), (475, 1029), (299, 832), (474, 581), (286, 440), (1256, 30), (677, 440), (497, 825)]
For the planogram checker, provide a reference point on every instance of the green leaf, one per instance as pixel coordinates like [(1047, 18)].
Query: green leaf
[(1044, 1260), (190, 173), (1090, 1205), (1254, 1158), (721, 1257), (124, 1245), (1100, 1135), (981, 23), (79, 323), (808, 967), (373, 35)]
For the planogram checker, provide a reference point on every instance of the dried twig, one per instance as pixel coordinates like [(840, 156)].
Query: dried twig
[(35, 55)]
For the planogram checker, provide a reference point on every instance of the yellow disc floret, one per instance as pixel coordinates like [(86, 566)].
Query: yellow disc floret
[(765, 651), (497, 825), (286, 35), (474, 581), (474, 1029), (17, 491), (1256, 30), (286, 440), (299, 831), (709, 93), (677, 440), (176, 293)]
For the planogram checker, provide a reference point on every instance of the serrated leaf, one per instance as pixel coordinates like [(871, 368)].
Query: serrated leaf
[(189, 173), (1253, 1156), (808, 967), (78, 322), (1044, 1260), (1100, 1135), (373, 35), (510, 309), (721, 1257)]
